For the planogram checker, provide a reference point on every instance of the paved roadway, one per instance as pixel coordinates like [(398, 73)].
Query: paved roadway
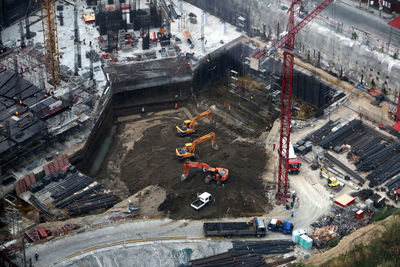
[(137, 232), (349, 15)]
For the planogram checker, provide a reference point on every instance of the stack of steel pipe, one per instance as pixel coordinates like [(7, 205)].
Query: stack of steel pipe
[(77, 196), (338, 137), (91, 203), (71, 187), (369, 151), (262, 247), (394, 184), (385, 172), (228, 259), (376, 159)]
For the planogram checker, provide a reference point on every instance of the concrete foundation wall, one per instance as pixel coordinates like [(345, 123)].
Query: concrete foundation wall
[(336, 51)]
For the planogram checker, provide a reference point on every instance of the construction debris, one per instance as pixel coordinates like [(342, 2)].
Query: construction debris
[(341, 222)]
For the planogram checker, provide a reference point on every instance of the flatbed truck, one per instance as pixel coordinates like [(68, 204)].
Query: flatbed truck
[(255, 227)]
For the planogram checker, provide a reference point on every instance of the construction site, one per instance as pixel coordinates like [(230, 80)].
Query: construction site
[(186, 133)]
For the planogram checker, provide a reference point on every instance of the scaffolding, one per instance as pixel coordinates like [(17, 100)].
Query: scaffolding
[(52, 56)]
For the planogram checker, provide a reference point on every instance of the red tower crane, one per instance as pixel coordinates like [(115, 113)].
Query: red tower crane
[(287, 42)]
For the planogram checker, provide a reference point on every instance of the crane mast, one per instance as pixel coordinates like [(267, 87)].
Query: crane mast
[(287, 43), (50, 41)]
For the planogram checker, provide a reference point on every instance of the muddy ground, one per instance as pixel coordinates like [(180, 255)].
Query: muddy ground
[(143, 154)]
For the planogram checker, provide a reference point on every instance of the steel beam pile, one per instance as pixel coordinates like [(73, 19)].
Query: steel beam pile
[(80, 195), (344, 167), (385, 172), (71, 186), (229, 260), (339, 137), (91, 203), (262, 247), (319, 134), (379, 158)]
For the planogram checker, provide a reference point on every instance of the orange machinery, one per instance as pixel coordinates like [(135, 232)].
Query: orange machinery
[(218, 174), (188, 125), (190, 148)]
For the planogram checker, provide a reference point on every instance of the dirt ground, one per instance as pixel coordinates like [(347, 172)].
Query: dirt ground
[(143, 154)]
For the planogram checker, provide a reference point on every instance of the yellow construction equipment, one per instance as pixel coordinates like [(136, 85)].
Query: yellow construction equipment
[(189, 149), (188, 125), (332, 181)]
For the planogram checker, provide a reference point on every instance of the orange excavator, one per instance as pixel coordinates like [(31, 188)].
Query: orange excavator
[(188, 125), (218, 174), (190, 148)]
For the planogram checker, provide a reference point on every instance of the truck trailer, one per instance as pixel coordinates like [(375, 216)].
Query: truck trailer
[(255, 227)]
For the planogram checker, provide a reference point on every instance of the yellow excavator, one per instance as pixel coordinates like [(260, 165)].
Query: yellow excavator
[(190, 148), (187, 126), (332, 181)]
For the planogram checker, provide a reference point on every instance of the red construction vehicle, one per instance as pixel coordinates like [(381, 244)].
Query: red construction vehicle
[(218, 174)]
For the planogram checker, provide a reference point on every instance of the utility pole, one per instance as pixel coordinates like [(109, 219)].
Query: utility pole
[(21, 32), (23, 250)]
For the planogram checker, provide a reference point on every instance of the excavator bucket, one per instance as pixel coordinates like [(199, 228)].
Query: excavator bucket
[(183, 177)]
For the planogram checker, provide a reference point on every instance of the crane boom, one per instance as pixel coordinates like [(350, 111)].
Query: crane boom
[(280, 42)]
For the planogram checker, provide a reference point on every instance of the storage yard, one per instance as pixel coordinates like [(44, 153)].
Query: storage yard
[(178, 132)]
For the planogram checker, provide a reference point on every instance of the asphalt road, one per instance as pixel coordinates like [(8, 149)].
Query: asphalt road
[(370, 23)]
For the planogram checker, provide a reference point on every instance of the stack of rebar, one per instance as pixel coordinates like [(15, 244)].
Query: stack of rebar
[(91, 203), (80, 195), (71, 186), (394, 184), (390, 168), (353, 128), (228, 259), (322, 132), (375, 160), (40, 206), (262, 247)]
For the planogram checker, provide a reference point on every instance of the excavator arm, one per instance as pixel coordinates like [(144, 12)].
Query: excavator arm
[(187, 165), (218, 174), (188, 125), (190, 148), (204, 114), (203, 139)]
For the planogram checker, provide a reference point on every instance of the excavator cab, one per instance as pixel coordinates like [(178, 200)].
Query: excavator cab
[(186, 123), (333, 182)]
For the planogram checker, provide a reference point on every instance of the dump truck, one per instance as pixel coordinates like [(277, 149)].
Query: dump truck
[(280, 226), (202, 200), (254, 227)]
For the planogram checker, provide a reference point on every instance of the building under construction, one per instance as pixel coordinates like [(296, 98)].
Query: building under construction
[(92, 97)]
